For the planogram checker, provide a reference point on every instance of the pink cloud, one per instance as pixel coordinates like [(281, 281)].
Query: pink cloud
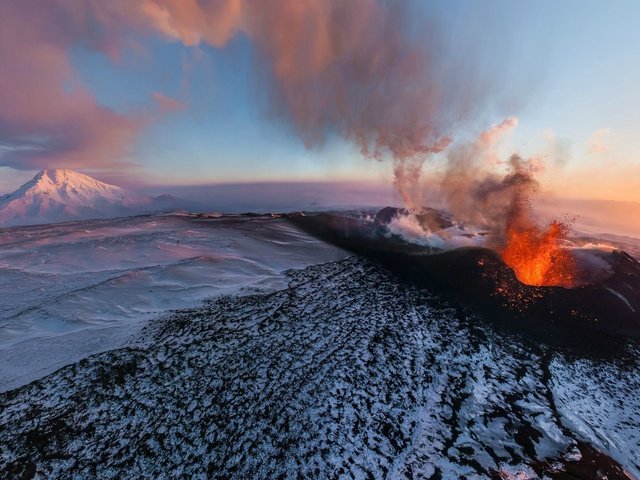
[(42, 98), (168, 104), (491, 136), (342, 67)]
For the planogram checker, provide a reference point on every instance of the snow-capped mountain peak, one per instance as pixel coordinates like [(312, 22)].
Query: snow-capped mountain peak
[(56, 195), (69, 186)]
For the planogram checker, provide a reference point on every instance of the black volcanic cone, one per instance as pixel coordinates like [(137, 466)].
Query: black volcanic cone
[(478, 279)]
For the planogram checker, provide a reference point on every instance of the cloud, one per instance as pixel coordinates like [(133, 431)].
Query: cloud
[(40, 95), (599, 141), (490, 137), (168, 104), (359, 69)]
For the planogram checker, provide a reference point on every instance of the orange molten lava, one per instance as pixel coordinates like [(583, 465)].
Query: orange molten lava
[(537, 257)]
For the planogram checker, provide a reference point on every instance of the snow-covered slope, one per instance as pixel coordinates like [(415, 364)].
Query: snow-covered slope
[(342, 373), (59, 195)]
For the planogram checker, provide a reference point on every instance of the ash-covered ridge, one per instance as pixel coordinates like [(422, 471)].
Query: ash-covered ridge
[(346, 373)]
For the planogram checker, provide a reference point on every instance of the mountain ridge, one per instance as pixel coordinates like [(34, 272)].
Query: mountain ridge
[(58, 195)]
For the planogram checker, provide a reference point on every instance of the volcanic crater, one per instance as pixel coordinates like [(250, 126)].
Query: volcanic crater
[(603, 299)]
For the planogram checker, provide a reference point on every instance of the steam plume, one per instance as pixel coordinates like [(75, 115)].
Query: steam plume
[(356, 68), (471, 188)]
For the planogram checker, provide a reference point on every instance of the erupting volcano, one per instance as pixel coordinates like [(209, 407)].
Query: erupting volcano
[(327, 257), (537, 255), (479, 198), (518, 284)]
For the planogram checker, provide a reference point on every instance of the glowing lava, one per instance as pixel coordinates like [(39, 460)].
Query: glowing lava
[(537, 257)]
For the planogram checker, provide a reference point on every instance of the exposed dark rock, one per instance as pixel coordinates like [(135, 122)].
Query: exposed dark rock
[(429, 218), (347, 373)]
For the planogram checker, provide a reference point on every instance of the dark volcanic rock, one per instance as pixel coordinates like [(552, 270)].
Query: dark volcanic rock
[(387, 214), (429, 218), (347, 373), (479, 279)]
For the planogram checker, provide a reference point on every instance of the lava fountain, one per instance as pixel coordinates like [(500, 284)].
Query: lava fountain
[(537, 256)]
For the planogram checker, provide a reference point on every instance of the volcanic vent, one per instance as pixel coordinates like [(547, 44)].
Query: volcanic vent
[(538, 255)]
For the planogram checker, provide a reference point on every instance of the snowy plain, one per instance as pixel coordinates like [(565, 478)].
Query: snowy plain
[(72, 289)]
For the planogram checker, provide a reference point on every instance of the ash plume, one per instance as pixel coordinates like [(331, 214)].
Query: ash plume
[(479, 198), (473, 191), (365, 70), (348, 68), (357, 69)]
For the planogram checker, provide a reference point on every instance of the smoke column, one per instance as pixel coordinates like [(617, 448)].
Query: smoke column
[(366, 70), (349, 68)]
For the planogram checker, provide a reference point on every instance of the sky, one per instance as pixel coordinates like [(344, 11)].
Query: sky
[(159, 93)]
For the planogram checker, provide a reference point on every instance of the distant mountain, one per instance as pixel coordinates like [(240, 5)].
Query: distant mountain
[(59, 195)]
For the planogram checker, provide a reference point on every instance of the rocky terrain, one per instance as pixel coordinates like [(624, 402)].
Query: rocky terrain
[(345, 373)]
